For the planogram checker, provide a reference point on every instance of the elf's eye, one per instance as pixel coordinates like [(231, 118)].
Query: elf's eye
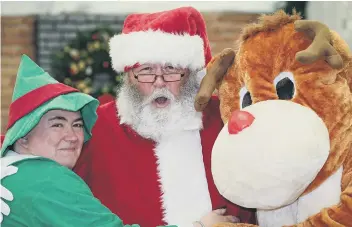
[(169, 67), (245, 98), (285, 85)]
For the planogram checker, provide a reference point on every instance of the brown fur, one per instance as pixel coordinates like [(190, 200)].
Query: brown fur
[(268, 23), (342, 48), (269, 48)]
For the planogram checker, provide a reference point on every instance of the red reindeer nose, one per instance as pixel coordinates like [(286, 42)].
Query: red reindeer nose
[(239, 120)]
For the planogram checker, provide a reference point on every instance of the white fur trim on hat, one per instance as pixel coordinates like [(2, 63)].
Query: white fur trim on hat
[(151, 46), (201, 74)]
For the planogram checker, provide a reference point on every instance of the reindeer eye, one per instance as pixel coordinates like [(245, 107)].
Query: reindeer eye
[(245, 98), (285, 85)]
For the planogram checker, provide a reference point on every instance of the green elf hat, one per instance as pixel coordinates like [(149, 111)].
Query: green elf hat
[(35, 93)]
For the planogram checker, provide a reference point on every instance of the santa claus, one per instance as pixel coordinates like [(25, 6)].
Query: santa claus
[(149, 159)]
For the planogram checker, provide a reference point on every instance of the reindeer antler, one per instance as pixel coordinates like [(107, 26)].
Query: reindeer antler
[(321, 46), (216, 70)]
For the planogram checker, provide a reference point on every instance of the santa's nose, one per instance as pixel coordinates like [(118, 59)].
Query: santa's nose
[(239, 120)]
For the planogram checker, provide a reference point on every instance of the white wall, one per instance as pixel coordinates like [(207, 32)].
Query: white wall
[(336, 15), (116, 7)]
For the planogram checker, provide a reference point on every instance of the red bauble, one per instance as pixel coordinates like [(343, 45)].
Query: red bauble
[(106, 64)]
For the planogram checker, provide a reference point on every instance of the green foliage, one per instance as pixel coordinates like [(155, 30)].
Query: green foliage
[(85, 63), (299, 6), (289, 6)]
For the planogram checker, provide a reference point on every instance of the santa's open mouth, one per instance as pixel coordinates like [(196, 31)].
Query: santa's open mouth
[(161, 102)]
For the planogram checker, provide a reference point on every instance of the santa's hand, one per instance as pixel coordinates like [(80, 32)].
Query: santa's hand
[(234, 225), (216, 70), (216, 217), (321, 47), (4, 193)]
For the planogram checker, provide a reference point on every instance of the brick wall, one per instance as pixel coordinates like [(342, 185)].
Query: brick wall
[(17, 37), (224, 28)]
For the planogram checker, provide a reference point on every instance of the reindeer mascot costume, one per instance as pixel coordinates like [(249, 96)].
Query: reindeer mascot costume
[(286, 148)]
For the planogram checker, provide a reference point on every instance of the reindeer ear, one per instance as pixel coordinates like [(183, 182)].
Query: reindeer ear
[(216, 70)]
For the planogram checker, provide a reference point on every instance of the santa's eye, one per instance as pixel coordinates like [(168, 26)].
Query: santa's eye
[(245, 98), (285, 85)]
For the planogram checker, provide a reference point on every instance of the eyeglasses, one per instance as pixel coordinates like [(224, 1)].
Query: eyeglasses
[(151, 78), (147, 73)]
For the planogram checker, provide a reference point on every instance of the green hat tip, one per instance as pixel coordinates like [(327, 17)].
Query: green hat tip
[(25, 56), (29, 68), (30, 76)]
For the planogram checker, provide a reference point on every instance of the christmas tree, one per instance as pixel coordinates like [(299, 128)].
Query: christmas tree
[(84, 63), (289, 6)]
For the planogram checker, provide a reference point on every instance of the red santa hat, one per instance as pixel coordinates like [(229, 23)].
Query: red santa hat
[(177, 37)]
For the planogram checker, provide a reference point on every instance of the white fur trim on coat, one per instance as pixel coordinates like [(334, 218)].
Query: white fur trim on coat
[(156, 47), (185, 196)]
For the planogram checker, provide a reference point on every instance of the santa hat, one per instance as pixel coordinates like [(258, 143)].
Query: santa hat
[(176, 36), (35, 93)]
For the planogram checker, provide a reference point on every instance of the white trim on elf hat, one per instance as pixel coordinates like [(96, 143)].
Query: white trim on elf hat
[(177, 37)]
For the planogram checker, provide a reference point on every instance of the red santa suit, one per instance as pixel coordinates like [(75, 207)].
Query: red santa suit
[(149, 183)]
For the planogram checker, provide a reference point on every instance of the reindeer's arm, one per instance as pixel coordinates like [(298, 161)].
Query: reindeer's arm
[(339, 215)]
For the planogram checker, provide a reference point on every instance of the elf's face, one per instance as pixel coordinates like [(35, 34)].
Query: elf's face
[(58, 136), (155, 78)]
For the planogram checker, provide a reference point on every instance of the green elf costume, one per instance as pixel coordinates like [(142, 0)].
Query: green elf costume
[(47, 193)]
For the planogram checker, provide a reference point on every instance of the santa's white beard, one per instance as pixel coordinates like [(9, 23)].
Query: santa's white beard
[(151, 122)]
